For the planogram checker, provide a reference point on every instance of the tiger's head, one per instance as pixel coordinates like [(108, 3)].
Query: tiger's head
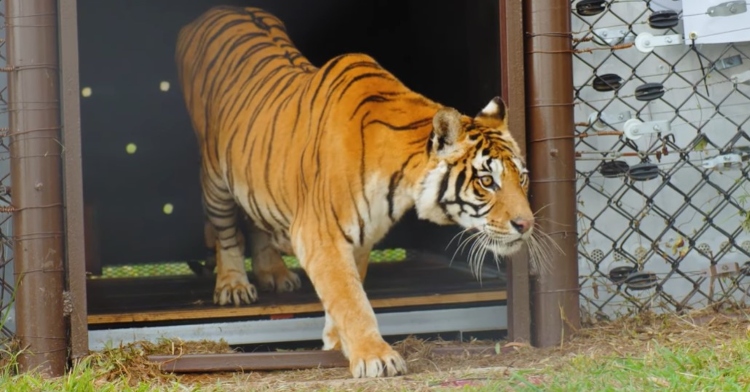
[(477, 178)]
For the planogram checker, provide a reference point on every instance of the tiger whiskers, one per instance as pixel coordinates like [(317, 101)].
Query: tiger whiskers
[(541, 247), (463, 242), (477, 253), (536, 213), (459, 235), (539, 219)]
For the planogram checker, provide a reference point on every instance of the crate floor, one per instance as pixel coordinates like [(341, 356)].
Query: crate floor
[(417, 281)]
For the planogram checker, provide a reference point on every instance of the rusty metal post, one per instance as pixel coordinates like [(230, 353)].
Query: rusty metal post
[(549, 70), (513, 87), (75, 245), (35, 149)]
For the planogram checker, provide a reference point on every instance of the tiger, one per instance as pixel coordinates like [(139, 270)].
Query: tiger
[(324, 160)]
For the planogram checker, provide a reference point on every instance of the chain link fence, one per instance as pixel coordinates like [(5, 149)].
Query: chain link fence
[(661, 118), (7, 314)]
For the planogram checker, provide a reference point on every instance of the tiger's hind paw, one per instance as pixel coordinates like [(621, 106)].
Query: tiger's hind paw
[(233, 287), (280, 279)]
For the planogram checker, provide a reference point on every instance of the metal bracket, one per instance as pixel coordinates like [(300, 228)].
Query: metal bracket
[(599, 121), (634, 129), (741, 78), (722, 269), (729, 8), (727, 62), (646, 42), (611, 37), (731, 160)]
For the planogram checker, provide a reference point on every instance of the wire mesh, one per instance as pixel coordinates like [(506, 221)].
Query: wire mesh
[(662, 218), (7, 314)]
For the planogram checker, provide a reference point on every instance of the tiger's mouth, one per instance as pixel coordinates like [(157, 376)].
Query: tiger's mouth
[(504, 236), (500, 243), (504, 244), (488, 239), (506, 247)]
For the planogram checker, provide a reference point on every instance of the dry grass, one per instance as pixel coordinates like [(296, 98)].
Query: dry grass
[(642, 338), (625, 338), (129, 363)]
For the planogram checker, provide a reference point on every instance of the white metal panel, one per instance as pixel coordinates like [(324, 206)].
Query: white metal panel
[(486, 318)]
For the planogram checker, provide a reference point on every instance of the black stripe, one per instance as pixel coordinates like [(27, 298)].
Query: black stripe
[(407, 127), (458, 185), (341, 229), (368, 75), (476, 207), (361, 231), (443, 188), (370, 98)]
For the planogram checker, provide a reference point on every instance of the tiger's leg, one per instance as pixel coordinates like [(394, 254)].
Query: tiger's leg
[(333, 272), (268, 266), (209, 235), (232, 285), (363, 259), (331, 340)]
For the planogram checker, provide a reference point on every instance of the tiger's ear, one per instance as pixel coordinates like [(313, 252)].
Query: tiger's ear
[(446, 129), (493, 115)]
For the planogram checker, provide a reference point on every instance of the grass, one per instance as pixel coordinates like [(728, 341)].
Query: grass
[(719, 368), (706, 351)]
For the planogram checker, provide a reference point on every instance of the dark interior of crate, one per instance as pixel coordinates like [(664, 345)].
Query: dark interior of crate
[(447, 50)]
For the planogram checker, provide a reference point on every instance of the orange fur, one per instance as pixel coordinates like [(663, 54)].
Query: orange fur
[(324, 160)]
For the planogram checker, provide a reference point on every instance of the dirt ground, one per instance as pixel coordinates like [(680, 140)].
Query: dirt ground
[(428, 371)]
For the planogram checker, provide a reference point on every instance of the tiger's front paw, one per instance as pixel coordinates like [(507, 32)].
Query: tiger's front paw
[(279, 279), (376, 359), (233, 287)]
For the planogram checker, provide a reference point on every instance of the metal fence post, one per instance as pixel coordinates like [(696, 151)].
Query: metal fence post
[(35, 149), (75, 246), (513, 90), (552, 164)]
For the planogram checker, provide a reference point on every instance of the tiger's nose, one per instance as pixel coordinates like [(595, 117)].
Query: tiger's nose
[(522, 225)]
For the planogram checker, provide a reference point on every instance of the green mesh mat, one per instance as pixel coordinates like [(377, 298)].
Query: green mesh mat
[(177, 268)]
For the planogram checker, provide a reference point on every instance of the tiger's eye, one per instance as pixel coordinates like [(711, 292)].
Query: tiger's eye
[(486, 181)]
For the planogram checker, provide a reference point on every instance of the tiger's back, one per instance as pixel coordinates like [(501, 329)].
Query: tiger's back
[(226, 46), (257, 103)]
